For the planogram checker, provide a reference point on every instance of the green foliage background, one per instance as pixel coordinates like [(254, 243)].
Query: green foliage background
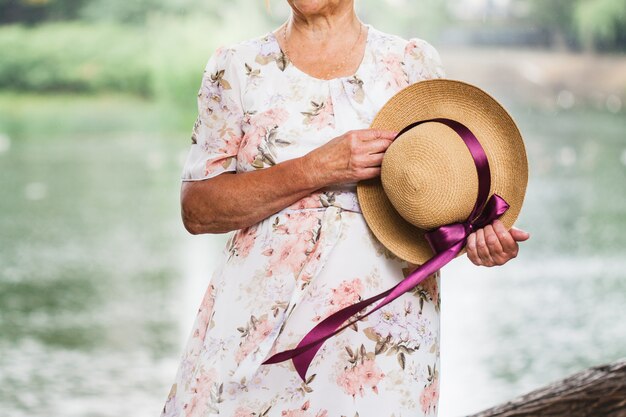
[(157, 48)]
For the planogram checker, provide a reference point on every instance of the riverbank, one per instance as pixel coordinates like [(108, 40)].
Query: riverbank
[(547, 79)]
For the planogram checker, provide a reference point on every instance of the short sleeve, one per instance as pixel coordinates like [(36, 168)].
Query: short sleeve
[(422, 61), (217, 132)]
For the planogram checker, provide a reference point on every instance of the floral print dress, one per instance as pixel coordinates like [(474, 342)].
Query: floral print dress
[(278, 278)]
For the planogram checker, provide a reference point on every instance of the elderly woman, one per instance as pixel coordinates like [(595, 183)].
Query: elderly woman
[(279, 144)]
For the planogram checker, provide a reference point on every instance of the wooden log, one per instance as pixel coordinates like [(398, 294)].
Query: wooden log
[(595, 392)]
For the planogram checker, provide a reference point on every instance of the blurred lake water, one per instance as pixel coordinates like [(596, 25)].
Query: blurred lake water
[(99, 281)]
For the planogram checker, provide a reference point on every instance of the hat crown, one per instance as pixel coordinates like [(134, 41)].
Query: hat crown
[(429, 176)]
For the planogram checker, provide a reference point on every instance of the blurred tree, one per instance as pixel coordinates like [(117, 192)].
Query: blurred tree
[(404, 17), (137, 11), (571, 23), (407, 18), (557, 17), (601, 23), (590, 23), (34, 11)]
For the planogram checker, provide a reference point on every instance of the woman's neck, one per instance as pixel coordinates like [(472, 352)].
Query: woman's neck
[(327, 43), (323, 27)]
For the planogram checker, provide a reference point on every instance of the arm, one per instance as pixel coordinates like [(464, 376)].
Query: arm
[(217, 199), (233, 201)]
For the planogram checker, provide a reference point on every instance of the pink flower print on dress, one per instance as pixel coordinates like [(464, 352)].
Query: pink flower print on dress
[(244, 240), (270, 117), (229, 148), (255, 331), (301, 233), (320, 115), (303, 412), (364, 373), (430, 396), (290, 255), (243, 411), (259, 144), (310, 201), (348, 381), (216, 130), (370, 374), (346, 294), (250, 144), (231, 143), (424, 58), (205, 313), (298, 222), (315, 200), (202, 400), (393, 70)]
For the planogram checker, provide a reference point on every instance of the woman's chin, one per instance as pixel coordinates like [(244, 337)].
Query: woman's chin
[(314, 7)]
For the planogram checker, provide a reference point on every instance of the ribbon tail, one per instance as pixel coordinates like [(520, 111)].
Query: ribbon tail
[(303, 354), (446, 243)]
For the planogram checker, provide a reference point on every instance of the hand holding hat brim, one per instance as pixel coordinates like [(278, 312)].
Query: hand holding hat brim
[(488, 121)]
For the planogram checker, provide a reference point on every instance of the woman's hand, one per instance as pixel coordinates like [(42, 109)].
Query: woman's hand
[(494, 245), (356, 155)]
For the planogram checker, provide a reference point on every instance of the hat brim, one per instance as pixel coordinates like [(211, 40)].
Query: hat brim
[(490, 123)]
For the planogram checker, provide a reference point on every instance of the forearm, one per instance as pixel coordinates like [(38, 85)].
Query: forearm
[(234, 201)]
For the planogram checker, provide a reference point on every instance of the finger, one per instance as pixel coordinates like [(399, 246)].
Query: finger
[(472, 254), (374, 160), (482, 249), (376, 145), (372, 172), (506, 240), (493, 244), (369, 134), (519, 234)]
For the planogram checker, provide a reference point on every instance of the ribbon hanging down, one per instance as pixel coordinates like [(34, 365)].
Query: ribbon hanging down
[(446, 242)]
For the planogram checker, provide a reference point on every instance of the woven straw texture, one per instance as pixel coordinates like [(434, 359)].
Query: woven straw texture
[(428, 178)]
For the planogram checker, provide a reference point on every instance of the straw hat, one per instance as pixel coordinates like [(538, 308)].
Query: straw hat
[(428, 177)]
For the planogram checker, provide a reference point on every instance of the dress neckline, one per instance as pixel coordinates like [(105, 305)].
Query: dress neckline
[(368, 38)]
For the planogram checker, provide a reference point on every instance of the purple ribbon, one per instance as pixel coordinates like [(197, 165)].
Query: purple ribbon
[(446, 242)]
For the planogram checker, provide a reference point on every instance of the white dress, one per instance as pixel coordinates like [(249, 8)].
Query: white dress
[(278, 278)]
